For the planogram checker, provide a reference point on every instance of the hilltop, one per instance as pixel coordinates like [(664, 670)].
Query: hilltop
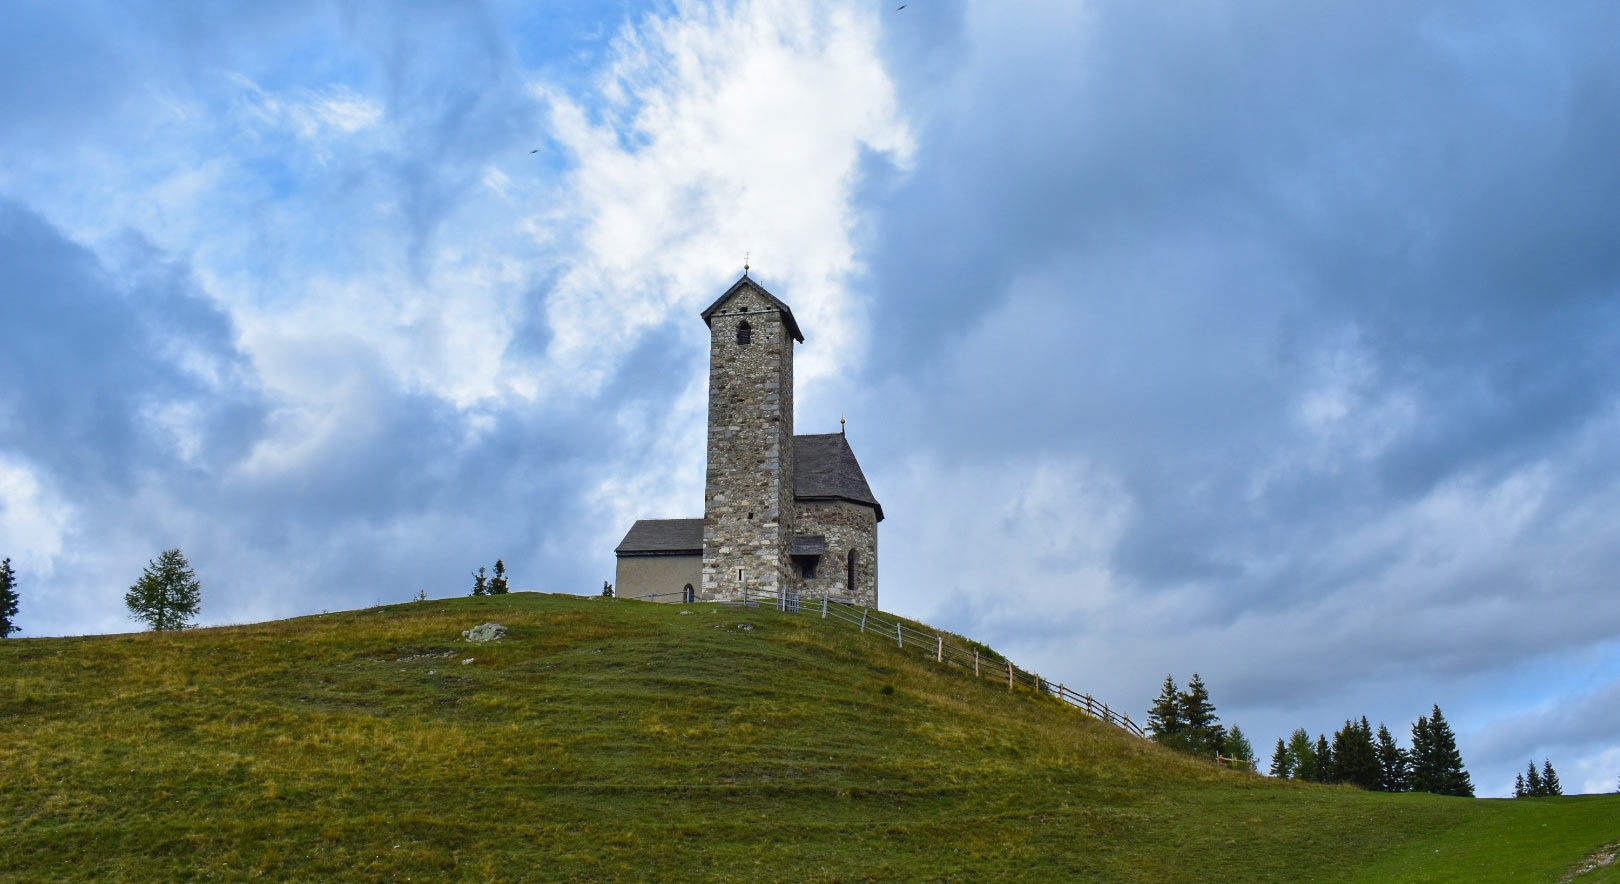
[(609, 740)]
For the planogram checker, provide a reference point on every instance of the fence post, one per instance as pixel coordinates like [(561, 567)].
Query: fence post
[(975, 662), (898, 635), (939, 650), (824, 605), (1037, 682), (1009, 675), (864, 612)]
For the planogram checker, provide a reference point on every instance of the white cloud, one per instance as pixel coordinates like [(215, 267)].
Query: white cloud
[(34, 519), (725, 131)]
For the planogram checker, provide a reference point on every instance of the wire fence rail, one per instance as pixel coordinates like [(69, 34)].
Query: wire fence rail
[(846, 611)]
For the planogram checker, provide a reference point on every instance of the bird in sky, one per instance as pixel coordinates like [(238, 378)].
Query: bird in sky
[(902, 6)]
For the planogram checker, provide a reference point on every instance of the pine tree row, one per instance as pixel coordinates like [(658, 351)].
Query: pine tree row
[(1357, 758)]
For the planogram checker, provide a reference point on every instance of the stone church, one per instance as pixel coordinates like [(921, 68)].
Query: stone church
[(783, 515)]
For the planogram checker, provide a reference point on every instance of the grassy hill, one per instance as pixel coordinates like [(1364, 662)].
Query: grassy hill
[(625, 741)]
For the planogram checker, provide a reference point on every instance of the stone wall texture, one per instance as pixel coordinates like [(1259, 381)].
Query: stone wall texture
[(748, 488), (847, 527)]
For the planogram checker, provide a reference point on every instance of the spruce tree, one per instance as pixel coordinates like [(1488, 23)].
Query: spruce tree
[(1165, 722), (1324, 760), (1205, 736), (1423, 765), (8, 599), (1518, 785), (1282, 765), (1394, 765), (168, 594), (1549, 780), (1355, 758), (497, 585), (1437, 766), (1533, 787), (480, 583)]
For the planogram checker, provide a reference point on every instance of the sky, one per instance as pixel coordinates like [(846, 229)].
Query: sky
[(1271, 341)]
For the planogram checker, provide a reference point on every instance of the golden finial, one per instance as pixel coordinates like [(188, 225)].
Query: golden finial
[(841, 422), (745, 263)]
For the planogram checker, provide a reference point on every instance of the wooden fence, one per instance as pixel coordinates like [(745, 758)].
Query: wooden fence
[(879, 625)]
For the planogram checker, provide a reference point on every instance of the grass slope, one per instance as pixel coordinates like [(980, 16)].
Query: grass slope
[(625, 741)]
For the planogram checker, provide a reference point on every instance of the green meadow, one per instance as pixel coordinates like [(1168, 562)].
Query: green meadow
[(610, 740)]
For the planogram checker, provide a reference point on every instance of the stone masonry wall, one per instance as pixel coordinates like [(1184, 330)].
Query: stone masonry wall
[(847, 526), (748, 488)]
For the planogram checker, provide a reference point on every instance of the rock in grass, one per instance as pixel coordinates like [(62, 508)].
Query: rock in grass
[(484, 632)]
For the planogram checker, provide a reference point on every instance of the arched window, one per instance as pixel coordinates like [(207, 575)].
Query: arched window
[(745, 333), (850, 586), (688, 595)]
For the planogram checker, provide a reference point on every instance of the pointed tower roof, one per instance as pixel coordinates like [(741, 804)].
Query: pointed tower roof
[(746, 281)]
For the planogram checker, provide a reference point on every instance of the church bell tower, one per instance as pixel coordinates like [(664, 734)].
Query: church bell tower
[(748, 503)]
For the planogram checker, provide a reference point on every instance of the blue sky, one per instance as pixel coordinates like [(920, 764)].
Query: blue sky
[(1272, 341)]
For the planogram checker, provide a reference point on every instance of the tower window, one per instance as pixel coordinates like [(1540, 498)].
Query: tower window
[(851, 584), (745, 333)]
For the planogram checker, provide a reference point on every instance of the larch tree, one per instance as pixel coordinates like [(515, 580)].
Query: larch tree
[(1302, 755), (1237, 746), (168, 595), (480, 583), (498, 584)]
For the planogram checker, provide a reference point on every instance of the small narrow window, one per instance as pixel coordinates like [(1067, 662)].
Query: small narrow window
[(745, 333), (851, 584)]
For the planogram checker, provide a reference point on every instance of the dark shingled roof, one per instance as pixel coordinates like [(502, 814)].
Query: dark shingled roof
[(809, 545), (663, 537), (824, 468), (787, 313)]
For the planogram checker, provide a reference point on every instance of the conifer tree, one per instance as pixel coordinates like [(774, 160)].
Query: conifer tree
[(1205, 735), (8, 599), (480, 583), (1303, 755), (498, 585), (1237, 746), (168, 594), (1282, 765), (1394, 765), (1437, 766), (1533, 787), (1549, 780), (1518, 785), (1165, 722), (1355, 758), (1324, 760)]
